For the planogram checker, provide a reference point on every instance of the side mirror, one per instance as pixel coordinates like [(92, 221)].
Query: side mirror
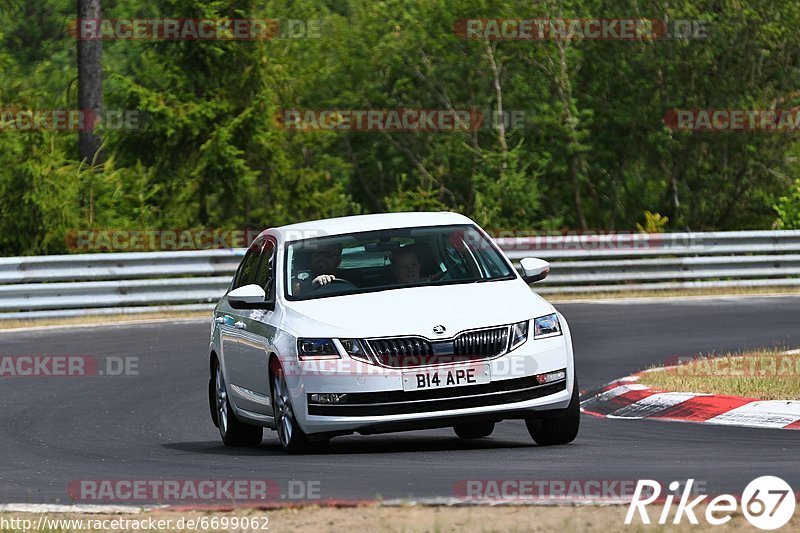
[(249, 297), (534, 269)]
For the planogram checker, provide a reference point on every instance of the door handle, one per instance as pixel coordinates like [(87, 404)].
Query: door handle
[(239, 325)]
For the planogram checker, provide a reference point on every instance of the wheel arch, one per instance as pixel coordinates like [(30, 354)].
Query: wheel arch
[(272, 360), (213, 358), (213, 361)]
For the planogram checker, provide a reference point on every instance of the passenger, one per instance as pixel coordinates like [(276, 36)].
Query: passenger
[(406, 266)]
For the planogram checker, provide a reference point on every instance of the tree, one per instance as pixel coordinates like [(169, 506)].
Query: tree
[(90, 85)]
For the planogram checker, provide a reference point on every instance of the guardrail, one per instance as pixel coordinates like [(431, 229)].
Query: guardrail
[(110, 283)]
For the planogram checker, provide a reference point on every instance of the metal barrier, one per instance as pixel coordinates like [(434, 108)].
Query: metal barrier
[(121, 283)]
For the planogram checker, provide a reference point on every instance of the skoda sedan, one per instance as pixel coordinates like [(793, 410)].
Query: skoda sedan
[(390, 322)]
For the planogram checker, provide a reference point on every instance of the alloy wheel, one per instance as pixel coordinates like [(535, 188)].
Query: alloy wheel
[(283, 409)]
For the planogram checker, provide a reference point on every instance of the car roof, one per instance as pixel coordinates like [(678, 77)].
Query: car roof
[(352, 224)]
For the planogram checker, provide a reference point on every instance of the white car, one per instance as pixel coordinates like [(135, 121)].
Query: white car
[(389, 322)]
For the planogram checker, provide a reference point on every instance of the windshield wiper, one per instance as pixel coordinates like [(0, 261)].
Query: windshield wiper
[(484, 280)]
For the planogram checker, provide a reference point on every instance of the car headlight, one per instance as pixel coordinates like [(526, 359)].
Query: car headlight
[(546, 326), (355, 349), (519, 334), (316, 349)]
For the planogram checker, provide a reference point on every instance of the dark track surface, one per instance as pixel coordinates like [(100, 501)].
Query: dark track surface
[(157, 426)]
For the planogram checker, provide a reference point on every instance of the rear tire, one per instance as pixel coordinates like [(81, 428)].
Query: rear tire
[(234, 432), (474, 430), (561, 430)]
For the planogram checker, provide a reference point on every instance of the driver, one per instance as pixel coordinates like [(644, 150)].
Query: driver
[(323, 260)]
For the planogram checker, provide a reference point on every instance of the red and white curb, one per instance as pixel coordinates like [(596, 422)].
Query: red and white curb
[(627, 398)]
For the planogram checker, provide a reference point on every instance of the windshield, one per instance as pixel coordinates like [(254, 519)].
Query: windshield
[(391, 259)]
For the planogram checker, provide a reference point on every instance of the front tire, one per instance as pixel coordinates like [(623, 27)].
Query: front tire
[(474, 430), (292, 438), (561, 430), (233, 432)]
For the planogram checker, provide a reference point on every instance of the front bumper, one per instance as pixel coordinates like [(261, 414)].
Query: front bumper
[(375, 397)]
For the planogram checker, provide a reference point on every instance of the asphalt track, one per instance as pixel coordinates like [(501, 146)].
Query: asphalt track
[(156, 425)]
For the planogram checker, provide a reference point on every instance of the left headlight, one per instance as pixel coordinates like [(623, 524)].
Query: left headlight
[(316, 349), (355, 349), (546, 326)]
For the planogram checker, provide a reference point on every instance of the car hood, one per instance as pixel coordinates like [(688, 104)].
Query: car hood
[(415, 311)]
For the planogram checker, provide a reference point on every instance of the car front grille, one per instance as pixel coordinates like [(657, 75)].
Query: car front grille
[(484, 343), (401, 346), (409, 352)]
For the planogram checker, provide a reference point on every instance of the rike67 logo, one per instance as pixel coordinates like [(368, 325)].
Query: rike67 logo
[(768, 503)]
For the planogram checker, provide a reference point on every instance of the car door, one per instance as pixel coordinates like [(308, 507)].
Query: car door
[(255, 337), (231, 320)]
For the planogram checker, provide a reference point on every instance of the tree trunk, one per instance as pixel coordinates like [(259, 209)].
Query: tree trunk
[(501, 126), (576, 163), (90, 86)]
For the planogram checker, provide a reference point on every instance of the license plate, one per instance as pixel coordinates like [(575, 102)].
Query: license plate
[(446, 377)]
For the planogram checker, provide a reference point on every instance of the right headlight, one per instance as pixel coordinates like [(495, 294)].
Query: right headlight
[(546, 326), (316, 349)]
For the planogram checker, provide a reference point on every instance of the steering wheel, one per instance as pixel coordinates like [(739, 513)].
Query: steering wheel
[(336, 281)]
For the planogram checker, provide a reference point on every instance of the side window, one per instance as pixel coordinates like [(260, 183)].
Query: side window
[(265, 276), (247, 271)]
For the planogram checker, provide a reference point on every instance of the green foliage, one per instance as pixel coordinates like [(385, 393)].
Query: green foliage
[(653, 223), (507, 193), (593, 150), (788, 208)]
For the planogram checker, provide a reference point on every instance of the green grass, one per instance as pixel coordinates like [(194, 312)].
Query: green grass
[(763, 374)]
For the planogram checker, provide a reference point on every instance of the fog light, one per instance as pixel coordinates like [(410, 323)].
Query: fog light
[(327, 398), (550, 377)]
